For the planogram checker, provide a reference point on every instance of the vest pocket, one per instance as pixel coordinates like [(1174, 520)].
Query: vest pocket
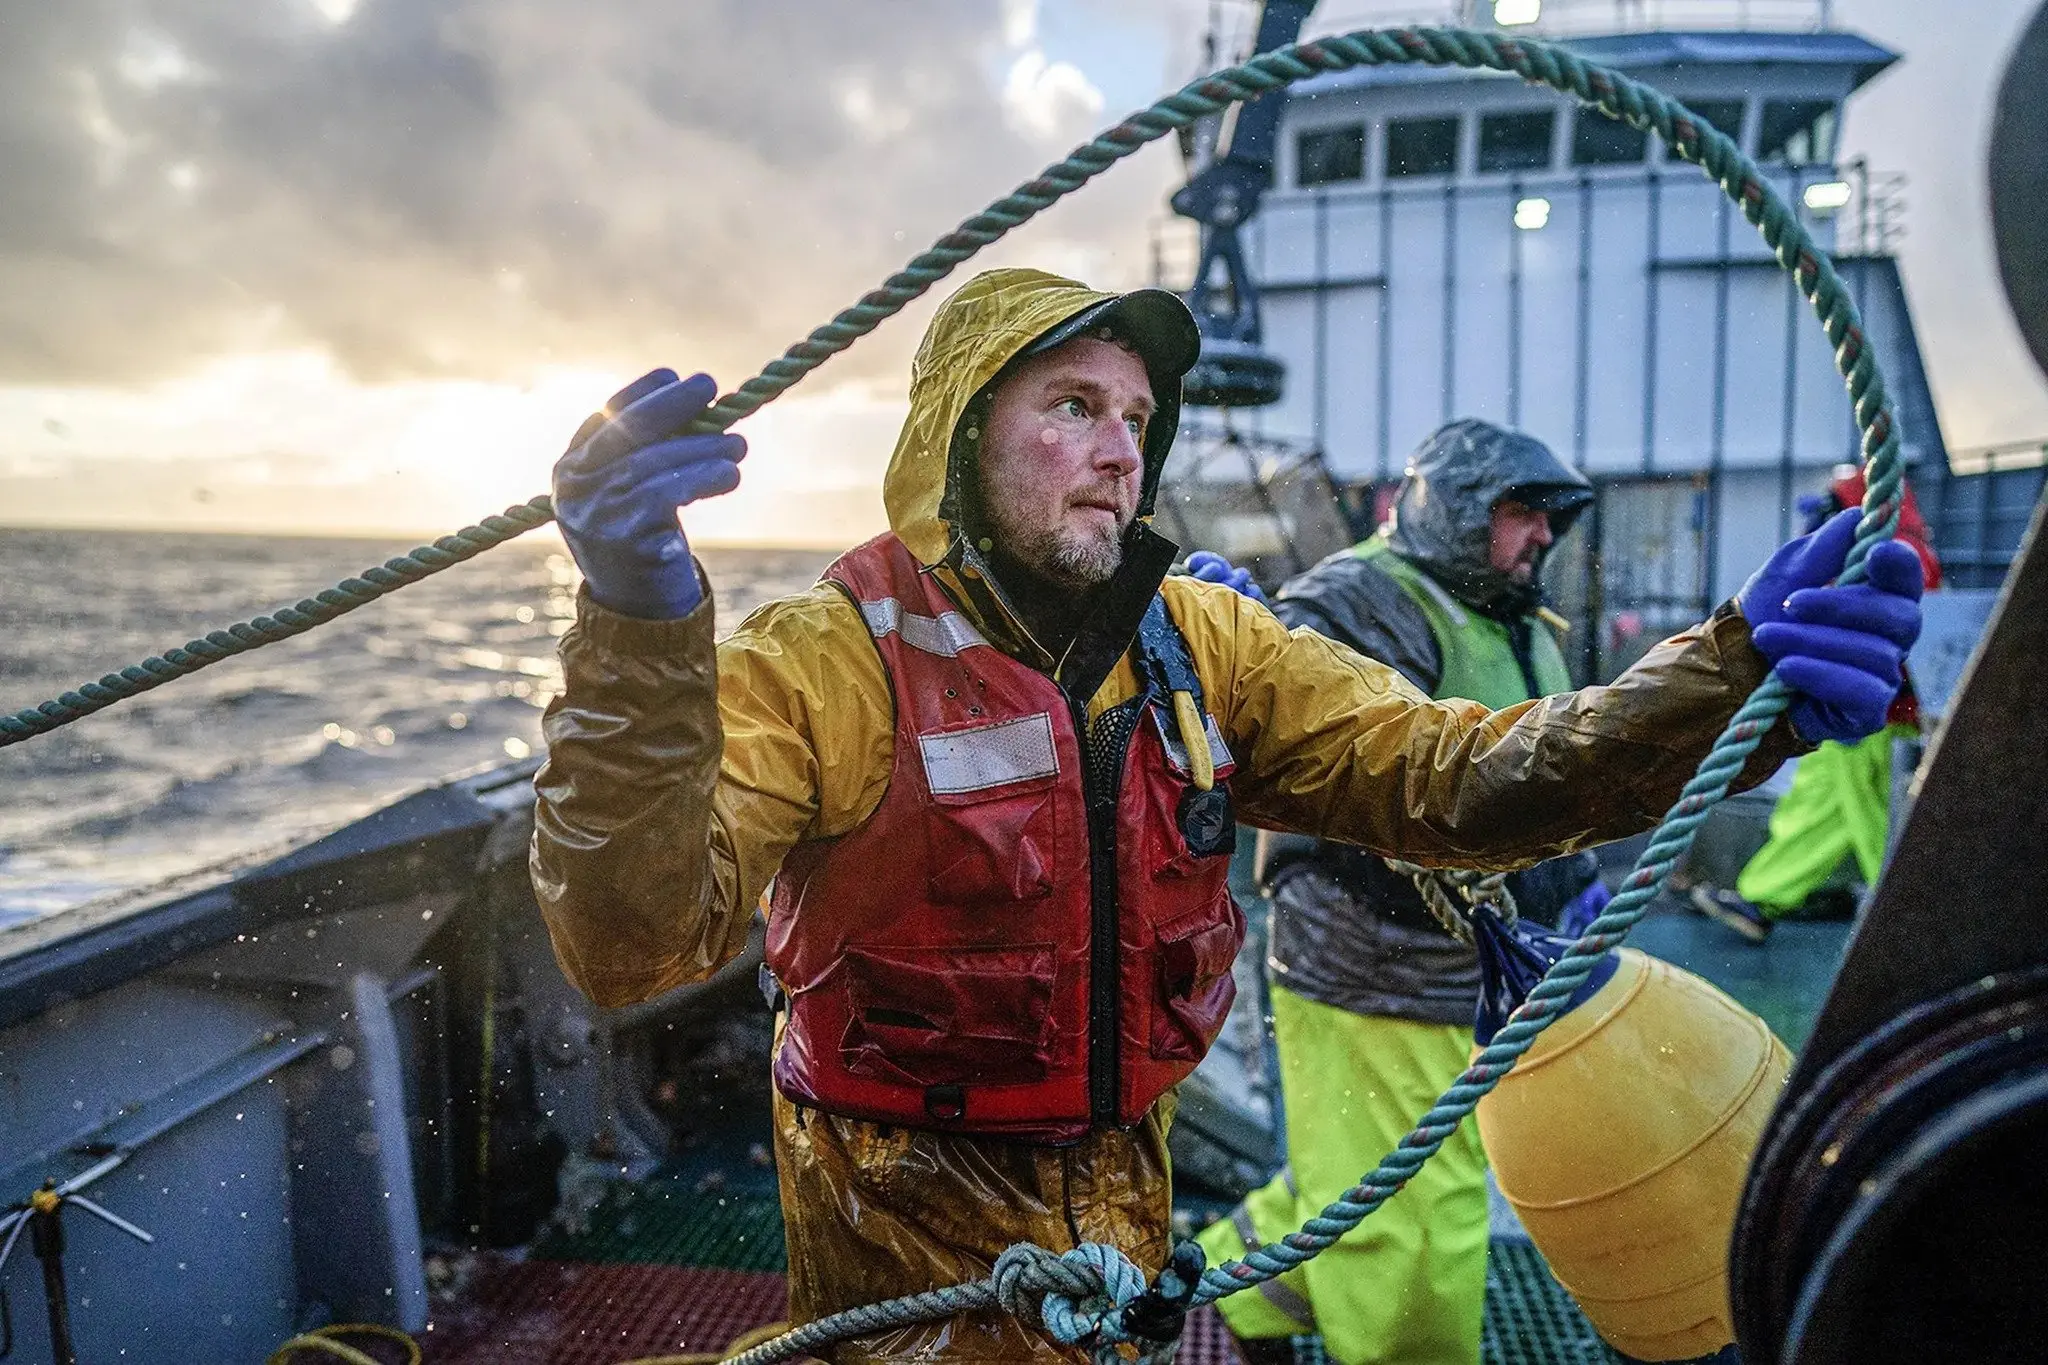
[(992, 846), (946, 1016), (1194, 988)]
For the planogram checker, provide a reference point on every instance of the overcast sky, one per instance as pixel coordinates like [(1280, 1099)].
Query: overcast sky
[(345, 263)]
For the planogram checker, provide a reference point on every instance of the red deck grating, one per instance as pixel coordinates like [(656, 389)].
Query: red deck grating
[(569, 1313), (1205, 1340), (566, 1313)]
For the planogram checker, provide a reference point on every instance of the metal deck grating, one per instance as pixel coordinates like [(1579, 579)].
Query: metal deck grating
[(666, 1262), (1205, 1340), (1530, 1320), (559, 1313), (668, 1222)]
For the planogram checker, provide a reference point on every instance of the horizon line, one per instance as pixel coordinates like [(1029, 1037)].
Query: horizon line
[(386, 533)]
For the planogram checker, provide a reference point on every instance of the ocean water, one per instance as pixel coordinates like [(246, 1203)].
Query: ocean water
[(262, 751)]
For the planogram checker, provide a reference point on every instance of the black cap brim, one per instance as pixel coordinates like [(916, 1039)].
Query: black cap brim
[(1156, 323), (1556, 497)]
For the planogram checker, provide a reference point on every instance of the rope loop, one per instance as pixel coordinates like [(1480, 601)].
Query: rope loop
[(1026, 1272), (1074, 1296)]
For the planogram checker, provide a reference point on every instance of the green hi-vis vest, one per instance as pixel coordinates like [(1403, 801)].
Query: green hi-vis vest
[(1478, 657)]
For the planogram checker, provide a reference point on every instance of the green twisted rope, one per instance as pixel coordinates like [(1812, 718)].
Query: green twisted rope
[(281, 624), (1613, 94), (1077, 1297)]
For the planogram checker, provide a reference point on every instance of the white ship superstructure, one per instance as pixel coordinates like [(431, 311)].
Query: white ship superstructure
[(1442, 243)]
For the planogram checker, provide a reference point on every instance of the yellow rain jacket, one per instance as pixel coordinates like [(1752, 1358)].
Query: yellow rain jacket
[(680, 773)]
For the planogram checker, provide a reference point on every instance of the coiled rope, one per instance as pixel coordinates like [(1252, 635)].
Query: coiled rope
[(1089, 1291), (328, 1341)]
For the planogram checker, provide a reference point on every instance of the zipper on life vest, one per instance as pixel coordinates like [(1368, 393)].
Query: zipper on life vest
[(1104, 748), (1102, 954)]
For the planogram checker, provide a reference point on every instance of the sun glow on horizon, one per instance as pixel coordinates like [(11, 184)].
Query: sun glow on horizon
[(285, 441)]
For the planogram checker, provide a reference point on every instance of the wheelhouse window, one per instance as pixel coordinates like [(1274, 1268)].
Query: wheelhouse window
[(1516, 142), (1422, 146), (1327, 156), (1725, 115), (1598, 140), (1798, 132)]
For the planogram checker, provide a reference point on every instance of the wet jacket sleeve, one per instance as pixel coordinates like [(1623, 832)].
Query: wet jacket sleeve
[(1331, 743), (679, 773)]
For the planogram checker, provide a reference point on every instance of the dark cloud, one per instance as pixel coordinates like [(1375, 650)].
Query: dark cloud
[(480, 187)]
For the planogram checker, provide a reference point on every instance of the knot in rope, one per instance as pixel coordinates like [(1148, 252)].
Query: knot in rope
[(1026, 1273), (1073, 1296), (1093, 1297)]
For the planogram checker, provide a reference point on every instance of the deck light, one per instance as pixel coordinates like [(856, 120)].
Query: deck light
[(1531, 214), (1827, 196), (1512, 13)]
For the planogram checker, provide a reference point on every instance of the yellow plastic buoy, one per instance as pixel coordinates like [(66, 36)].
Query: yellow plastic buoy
[(1622, 1138)]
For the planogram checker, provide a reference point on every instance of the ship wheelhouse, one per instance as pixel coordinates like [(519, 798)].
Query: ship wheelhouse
[(1441, 243)]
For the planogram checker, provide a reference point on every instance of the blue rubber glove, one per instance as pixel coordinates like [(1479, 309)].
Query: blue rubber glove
[(1211, 567), (629, 468), (1582, 910), (1814, 510), (1841, 648)]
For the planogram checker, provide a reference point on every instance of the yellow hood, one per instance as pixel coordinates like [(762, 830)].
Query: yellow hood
[(975, 333)]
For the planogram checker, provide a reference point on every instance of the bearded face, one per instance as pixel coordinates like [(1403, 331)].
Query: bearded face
[(1062, 459), (1520, 535)]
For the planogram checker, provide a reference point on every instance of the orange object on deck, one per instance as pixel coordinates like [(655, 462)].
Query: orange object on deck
[(1623, 1138)]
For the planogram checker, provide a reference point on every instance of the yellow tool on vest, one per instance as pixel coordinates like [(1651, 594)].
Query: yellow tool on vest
[(1194, 735)]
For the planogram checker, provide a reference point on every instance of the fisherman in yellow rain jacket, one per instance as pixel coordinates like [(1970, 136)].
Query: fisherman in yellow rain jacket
[(991, 763)]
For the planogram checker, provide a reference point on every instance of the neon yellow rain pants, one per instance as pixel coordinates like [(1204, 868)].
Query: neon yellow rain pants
[(1408, 1285), (1839, 802)]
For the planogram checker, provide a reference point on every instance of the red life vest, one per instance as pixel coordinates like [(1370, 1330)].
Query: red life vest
[(978, 956)]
